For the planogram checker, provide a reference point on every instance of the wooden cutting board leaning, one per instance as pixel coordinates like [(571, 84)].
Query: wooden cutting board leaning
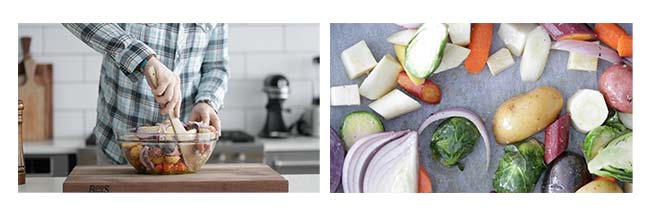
[(35, 90)]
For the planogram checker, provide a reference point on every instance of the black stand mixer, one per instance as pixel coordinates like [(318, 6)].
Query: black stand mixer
[(276, 88)]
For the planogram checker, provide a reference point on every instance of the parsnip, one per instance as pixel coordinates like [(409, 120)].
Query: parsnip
[(394, 104), (381, 79)]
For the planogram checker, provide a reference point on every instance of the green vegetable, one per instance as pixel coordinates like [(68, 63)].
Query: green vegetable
[(359, 124), (424, 51), (615, 160), (453, 140), (519, 168), (598, 138)]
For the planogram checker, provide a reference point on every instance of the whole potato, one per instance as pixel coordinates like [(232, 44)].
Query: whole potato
[(526, 114), (566, 174), (600, 186), (616, 84)]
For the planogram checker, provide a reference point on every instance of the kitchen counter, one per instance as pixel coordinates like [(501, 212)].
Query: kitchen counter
[(298, 183), (297, 143)]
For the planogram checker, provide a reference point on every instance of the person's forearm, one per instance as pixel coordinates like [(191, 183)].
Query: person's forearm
[(112, 41), (214, 70)]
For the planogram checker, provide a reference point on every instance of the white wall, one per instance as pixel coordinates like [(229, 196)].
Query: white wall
[(255, 50)]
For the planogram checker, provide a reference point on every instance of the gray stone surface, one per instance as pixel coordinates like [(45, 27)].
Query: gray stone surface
[(481, 93)]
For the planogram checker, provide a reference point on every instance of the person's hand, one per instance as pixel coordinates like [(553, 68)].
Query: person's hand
[(203, 112), (166, 87)]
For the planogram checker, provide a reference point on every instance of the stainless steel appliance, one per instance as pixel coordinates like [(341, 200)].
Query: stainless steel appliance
[(276, 87)]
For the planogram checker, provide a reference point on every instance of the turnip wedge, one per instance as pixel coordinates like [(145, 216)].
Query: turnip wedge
[(535, 55), (588, 48), (382, 162), (424, 52), (464, 113)]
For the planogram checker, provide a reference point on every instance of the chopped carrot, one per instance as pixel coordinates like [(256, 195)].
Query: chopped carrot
[(424, 182), (180, 167), (167, 167), (428, 92), (609, 33), (480, 42), (624, 47), (158, 168), (611, 179)]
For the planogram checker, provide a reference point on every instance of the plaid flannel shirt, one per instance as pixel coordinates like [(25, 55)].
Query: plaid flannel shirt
[(196, 52)]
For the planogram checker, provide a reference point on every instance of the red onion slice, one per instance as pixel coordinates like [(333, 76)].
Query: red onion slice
[(356, 161), (588, 48), (410, 25), (467, 114), (395, 167)]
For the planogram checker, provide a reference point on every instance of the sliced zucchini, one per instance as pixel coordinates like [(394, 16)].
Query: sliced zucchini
[(359, 124)]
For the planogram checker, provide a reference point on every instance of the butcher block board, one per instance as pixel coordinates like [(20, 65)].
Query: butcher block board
[(210, 178)]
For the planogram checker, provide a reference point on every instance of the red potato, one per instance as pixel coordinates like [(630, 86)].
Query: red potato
[(556, 137), (616, 85), (428, 92), (569, 31)]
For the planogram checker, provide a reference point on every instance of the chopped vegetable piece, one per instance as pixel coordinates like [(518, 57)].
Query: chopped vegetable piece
[(424, 182), (453, 140), (556, 137), (624, 46), (394, 104), (600, 186), (345, 95), (359, 124), (615, 160), (566, 174), (582, 62), (394, 167), (519, 168), (428, 92), (587, 48), (500, 61), (588, 110), (452, 57), (533, 60), (400, 52), (337, 155), (597, 139), (401, 37), (382, 79), (459, 33), (514, 36), (626, 119), (480, 42), (573, 31), (424, 52), (609, 33), (358, 60)]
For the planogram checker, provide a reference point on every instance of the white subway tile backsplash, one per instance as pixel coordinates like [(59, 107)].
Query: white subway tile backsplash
[(237, 66), (255, 39), (301, 93), (71, 96), (92, 67), (36, 33), (232, 119), (68, 124), (302, 37), (245, 93), (90, 119), (255, 119), (66, 68), (292, 65), (57, 39)]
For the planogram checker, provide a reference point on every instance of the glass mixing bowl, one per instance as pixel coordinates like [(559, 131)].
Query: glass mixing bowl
[(152, 151)]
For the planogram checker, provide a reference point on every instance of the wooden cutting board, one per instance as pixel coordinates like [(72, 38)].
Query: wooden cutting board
[(210, 178), (36, 94)]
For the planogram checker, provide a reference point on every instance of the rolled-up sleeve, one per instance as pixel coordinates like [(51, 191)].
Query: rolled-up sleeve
[(214, 69), (112, 41)]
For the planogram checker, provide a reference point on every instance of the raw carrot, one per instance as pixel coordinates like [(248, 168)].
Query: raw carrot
[(609, 33), (480, 42), (424, 183), (428, 92), (624, 47)]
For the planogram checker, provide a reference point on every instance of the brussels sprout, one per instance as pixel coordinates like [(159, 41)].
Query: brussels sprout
[(615, 160), (519, 168), (453, 140), (598, 138)]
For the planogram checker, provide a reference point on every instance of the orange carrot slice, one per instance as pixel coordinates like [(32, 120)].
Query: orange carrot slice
[(424, 182), (624, 47), (609, 33), (480, 42)]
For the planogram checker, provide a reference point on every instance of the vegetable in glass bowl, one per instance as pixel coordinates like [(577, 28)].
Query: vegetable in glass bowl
[(158, 150), (453, 140)]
